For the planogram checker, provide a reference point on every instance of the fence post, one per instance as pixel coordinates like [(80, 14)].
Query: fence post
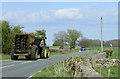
[(108, 73), (100, 70)]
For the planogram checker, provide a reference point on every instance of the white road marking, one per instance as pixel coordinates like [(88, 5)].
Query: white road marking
[(5, 60), (6, 66), (32, 75), (26, 62), (40, 60)]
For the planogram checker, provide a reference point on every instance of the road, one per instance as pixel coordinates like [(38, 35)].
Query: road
[(25, 68)]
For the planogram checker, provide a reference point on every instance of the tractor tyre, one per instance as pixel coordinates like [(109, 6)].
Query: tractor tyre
[(27, 57), (48, 52), (45, 53), (14, 57), (12, 54), (34, 52)]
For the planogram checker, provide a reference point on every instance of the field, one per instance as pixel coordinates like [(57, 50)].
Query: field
[(67, 52), (115, 49), (59, 53), (57, 47)]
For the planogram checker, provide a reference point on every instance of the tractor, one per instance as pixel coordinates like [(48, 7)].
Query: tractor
[(29, 46)]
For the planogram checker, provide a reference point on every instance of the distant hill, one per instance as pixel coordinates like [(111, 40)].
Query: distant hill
[(114, 42)]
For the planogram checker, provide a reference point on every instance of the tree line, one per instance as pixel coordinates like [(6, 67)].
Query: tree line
[(70, 38), (8, 34)]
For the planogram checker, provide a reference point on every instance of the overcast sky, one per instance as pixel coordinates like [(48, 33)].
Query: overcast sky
[(60, 16)]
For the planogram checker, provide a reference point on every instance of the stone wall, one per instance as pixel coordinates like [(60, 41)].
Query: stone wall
[(94, 58), (108, 62), (87, 69)]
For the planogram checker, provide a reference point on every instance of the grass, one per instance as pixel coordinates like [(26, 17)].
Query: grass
[(4, 57), (115, 49), (61, 69), (54, 47), (115, 56), (57, 47), (93, 48), (113, 69), (67, 52), (53, 71), (7, 57)]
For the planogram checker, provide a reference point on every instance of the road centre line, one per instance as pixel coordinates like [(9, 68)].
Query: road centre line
[(26, 62), (6, 66)]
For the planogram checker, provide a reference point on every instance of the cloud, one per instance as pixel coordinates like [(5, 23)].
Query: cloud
[(17, 16), (71, 13), (85, 14), (27, 16)]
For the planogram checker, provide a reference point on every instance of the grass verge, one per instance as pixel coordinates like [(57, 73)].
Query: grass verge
[(67, 52), (57, 47), (115, 49), (7, 57), (113, 71), (62, 69)]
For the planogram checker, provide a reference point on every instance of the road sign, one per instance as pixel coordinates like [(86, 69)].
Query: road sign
[(111, 44)]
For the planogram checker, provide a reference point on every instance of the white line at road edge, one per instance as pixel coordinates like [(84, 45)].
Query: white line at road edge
[(32, 75), (6, 66)]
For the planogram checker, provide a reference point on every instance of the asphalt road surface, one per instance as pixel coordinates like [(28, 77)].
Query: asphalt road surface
[(25, 68)]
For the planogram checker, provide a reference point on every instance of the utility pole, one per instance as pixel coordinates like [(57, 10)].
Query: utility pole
[(101, 37)]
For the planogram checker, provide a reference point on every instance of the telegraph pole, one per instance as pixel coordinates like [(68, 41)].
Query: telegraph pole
[(101, 37)]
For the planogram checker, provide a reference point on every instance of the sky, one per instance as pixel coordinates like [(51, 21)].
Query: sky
[(61, 16)]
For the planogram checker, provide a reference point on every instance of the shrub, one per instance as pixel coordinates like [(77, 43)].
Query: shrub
[(109, 52), (88, 49), (61, 47)]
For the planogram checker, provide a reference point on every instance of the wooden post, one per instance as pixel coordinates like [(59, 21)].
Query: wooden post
[(100, 70), (101, 37), (108, 73)]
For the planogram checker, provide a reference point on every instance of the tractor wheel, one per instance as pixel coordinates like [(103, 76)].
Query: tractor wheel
[(45, 53), (34, 52), (48, 52), (12, 54), (40, 51), (27, 57), (14, 57), (41, 56)]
